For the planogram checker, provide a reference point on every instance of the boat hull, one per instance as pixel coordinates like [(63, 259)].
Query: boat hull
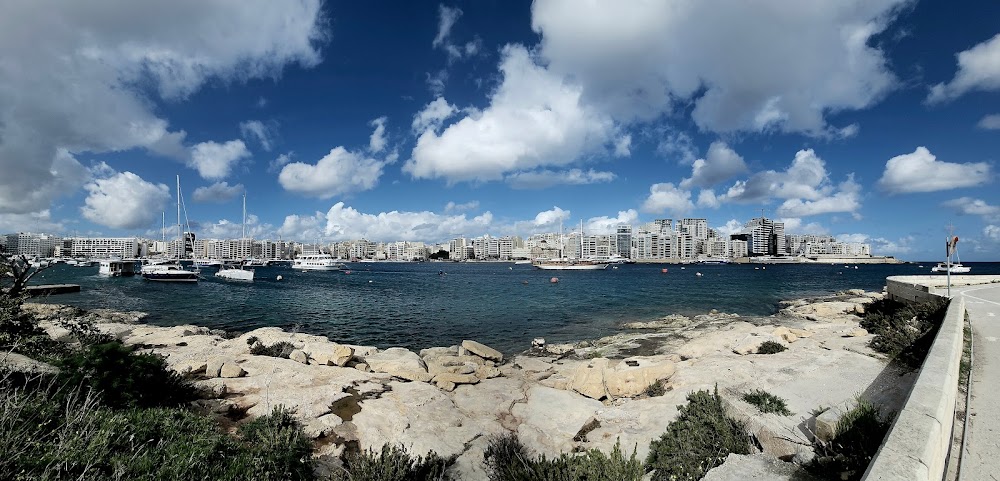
[(577, 267), (171, 277), (235, 274)]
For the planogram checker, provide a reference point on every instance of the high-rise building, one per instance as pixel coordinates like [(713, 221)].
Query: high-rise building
[(623, 240), (765, 237)]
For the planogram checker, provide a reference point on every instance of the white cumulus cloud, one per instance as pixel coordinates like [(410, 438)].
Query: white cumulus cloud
[(217, 192), (846, 199), (258, 131), (535, 119), (605, 225), (990, 122), (345, 223), (338, 173), (124, 201), (667, 198), (992, 232), (746, 66), (720, 163), (214, 161), (87, 77), (377, 141), (433, 115), (920, 171), (970, 206), (541, 179), (453, 207), (978, 69)]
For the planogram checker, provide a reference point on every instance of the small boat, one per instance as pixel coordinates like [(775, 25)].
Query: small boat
[(208, 263), (316, 262), (949, 267), (235, 273), (954, 268), (172, 272), (570, 265), (168, 273), (116, 268)]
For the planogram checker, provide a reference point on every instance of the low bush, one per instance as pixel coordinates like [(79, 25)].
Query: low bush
[(857, 438), (770, 347), (394, 463), (508, 460), (54, 435), (124, 378), (767, 402), (278, 349), (655, 389), (904, 331), (19, 331), (698, 440)]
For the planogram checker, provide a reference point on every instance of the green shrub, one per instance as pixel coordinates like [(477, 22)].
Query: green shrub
[(698, 440), (19, 331), (278, 349), (770, 347), (904, 331), (767, 402), (508, 460), (124, 378), (393, 463), (51, 435), (857, 438), (655, 389)]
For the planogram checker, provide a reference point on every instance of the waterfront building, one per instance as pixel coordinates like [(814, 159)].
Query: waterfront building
[(457, 249), (765, 237), (623, 240), (32, 245), (738, 248), (716, 248), (105, 247)]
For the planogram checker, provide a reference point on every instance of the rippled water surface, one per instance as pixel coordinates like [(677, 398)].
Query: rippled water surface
[(418, 305)]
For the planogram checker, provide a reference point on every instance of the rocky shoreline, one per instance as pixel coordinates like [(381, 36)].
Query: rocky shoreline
[(557, 398)]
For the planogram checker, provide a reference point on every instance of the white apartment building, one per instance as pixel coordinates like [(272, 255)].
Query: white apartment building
[(457, 249), (738, 248), (623, 240), (106, 247), (32, 245)]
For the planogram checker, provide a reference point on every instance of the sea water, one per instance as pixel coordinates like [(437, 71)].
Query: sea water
[(504, 305)]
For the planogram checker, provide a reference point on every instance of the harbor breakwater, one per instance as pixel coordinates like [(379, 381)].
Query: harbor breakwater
[(560, 398)]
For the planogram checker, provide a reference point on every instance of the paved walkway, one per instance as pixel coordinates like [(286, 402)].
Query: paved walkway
[(982, 445)]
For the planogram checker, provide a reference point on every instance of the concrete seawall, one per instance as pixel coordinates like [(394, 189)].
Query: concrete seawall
[(917, 446)]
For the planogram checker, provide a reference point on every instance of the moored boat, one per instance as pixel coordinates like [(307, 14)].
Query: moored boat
[(570, 265), (316, 262)]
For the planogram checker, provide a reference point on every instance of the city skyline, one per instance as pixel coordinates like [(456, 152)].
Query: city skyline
[(423, 121)]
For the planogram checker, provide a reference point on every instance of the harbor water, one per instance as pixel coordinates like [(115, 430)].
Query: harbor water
[(419, 305)]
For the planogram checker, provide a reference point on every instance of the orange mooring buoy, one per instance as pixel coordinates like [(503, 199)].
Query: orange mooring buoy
[(663, 270)]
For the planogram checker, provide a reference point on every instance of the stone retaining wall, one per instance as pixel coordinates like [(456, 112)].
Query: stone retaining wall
[(917, 445)]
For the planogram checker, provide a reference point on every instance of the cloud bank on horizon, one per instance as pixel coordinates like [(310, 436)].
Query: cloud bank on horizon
[(619, 112)]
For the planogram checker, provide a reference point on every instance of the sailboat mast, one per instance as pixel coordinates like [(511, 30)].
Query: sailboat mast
[(244, 214), (180, 234)]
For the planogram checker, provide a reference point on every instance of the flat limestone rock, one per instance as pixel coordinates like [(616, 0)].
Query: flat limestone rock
[(18, 363), (551, 418), (625, 380), (482, 350), (231, 370), (399, 362), (299, 356), (588, 379), (759, 467)]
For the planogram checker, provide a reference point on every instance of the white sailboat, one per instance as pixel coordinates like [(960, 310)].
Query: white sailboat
[(238, 273), (173, 272), (949, 267)]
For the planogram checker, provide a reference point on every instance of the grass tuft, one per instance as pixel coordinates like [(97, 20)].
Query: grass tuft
[(857, 438), (767, 402), (770, 347), (394, 463), (279, 349), (508, 460)]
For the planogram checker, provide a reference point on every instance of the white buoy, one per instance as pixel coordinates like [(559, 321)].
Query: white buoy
[(279, 277), (554, 280), (697, 274)]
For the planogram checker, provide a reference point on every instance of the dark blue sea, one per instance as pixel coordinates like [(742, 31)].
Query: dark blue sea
[(418, 305)]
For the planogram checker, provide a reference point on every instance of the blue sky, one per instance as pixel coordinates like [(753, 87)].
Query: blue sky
[(875, 121)]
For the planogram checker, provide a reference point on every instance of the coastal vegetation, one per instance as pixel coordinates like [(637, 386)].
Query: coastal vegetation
[(699, 439), (281, 349), (507, 459), (766, 402), (393, 463), (856, 440), (770, 347), (904, 331)]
